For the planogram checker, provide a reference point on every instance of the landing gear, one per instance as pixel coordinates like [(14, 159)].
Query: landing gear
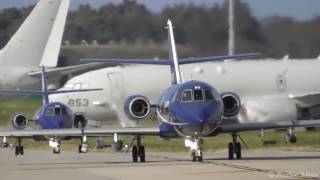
[(56, 150), (100, 144), (196, 157), (196, 147), (5, 143), (83, 147), (116, 144), (138, 151), (19, 148), (54, 143), (234, 147), (290, 137)]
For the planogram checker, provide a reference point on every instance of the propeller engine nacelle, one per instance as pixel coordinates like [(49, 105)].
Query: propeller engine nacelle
[(80, 120), (137, 107), (231, 104), (19, 121)]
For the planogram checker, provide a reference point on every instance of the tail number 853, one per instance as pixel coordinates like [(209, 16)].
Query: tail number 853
[(78, 102)]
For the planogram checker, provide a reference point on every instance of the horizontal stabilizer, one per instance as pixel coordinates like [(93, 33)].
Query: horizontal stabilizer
[(49, 92), (69, 70)]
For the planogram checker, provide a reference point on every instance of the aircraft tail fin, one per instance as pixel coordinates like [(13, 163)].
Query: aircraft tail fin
[(38, 40), (173, 57)]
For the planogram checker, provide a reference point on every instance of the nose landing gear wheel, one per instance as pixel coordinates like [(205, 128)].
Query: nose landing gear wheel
[(198, 158), (56, 150)]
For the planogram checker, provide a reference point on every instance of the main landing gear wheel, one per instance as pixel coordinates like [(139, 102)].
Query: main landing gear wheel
[(138, 151), (142, 154), (134, 154), (234, 148), (19, 148)]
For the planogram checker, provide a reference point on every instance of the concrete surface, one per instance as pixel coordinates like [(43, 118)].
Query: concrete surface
[(257, 164)]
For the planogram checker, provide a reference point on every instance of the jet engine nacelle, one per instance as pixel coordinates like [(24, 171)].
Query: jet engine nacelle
[(137, 107), (231, 104), (80, 120), (268, 110), (19, 121)]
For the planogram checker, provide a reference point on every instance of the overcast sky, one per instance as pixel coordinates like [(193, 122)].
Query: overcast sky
[(300, 9)]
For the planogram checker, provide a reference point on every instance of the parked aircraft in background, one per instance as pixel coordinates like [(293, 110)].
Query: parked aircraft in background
[(52, 115), (37, 42), (270, 90)]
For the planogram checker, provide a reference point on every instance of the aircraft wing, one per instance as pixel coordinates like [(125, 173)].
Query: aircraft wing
[(168, 62), (69, 70), (274, 125), (153, 131), (56, 74), (307, 100), (93, 132)]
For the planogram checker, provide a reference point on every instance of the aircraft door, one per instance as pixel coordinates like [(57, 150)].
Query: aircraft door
[(116, 84)]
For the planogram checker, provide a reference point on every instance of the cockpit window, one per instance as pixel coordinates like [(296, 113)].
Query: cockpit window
[(186, 95), (208, 95), (57, 111), (50, 111), (198, 95), (84, 86), (77, 86), (68, 86)]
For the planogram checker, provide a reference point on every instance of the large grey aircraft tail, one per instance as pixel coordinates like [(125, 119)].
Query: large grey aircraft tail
[(37, 42)]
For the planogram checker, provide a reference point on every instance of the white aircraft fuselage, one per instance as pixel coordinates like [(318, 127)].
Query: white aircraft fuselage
[(269, 90)]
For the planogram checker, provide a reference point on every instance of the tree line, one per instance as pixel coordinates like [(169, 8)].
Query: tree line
[(203, 29)]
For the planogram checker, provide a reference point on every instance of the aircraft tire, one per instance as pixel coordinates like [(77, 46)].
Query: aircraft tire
[(230, 150), (238, 153), (194, 158), (16, 152), (200, 158), (142, 154), (134, 154)]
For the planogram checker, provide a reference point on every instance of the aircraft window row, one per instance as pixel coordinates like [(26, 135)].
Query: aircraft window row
[(189, 95), (77, 86)]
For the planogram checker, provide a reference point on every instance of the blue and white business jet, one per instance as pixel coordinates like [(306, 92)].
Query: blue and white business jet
[(52, 115), (191, 110)]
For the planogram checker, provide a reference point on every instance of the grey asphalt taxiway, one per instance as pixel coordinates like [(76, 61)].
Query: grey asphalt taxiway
[(256, 164)]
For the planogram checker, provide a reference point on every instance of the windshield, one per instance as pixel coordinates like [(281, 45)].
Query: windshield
[(196, 95)]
